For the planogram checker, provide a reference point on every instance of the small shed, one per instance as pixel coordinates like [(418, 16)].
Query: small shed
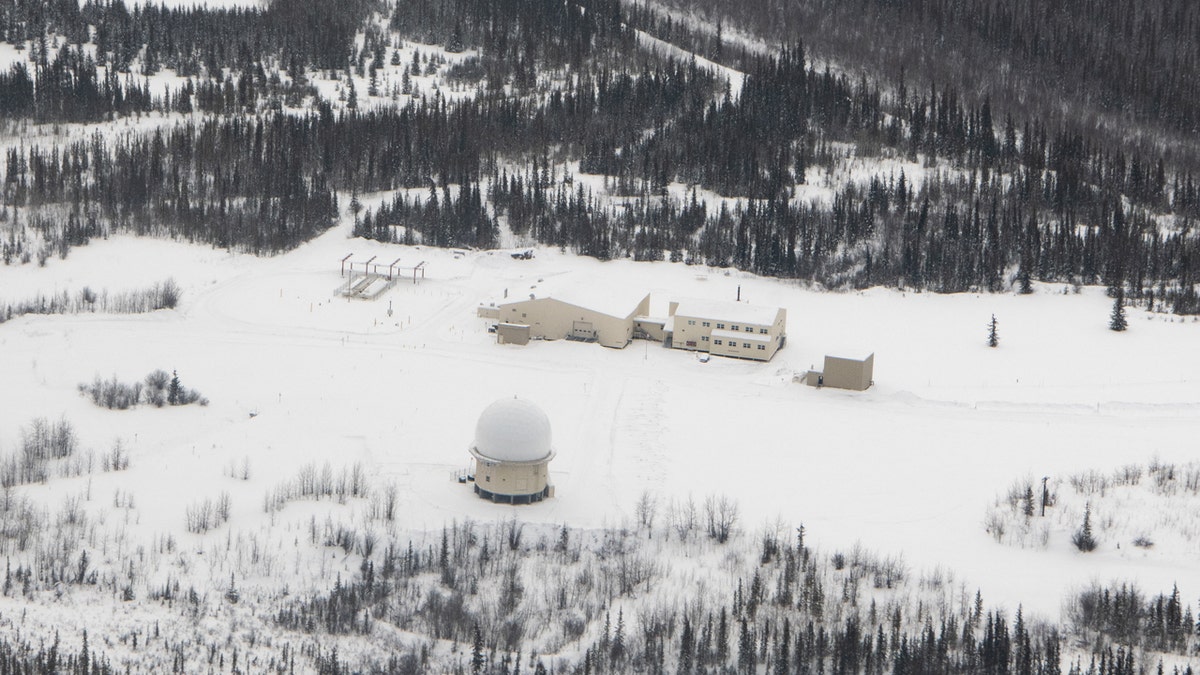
[(844, 373), (512, 333)]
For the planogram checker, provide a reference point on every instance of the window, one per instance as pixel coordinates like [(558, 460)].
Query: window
[(746, 345), (762, 348), (716, 342), (762, 331), (720, 326), (707, 324), (704, 338), (691, 322), (749, 329), (734, 327), (487, 479)]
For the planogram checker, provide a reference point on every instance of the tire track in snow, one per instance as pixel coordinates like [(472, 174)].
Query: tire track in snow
[(637, 425)]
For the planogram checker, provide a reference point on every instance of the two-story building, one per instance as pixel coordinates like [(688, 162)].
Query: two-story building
[(727, 328)]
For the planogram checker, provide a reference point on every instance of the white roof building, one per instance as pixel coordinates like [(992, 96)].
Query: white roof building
[(728, 328), (564, 310), (731, 312)]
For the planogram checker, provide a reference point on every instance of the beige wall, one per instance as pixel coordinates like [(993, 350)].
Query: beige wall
[(505, 478), (512, 334), (487, 312), (691, 333), (849, 373), (734, 348), (553, 319), (652, 329)]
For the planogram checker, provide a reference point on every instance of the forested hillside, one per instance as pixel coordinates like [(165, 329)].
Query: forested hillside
[(1015, 143)]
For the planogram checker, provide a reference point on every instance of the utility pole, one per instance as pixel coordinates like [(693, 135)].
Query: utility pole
[(1045, 495)]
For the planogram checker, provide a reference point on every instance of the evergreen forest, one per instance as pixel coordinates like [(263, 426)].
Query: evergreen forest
[(1060, 151)]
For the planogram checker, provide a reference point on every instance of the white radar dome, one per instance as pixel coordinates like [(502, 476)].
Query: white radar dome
[(513, 430)]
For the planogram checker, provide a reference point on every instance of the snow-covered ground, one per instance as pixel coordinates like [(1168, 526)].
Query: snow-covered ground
[(735, 78), (298, 375)]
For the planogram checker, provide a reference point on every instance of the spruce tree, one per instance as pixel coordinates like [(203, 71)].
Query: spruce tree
[(477, 658), (618, 643), (686, 647), (993, 339), (746, 661), (174, 390), (1083, 539), (1117, 320)]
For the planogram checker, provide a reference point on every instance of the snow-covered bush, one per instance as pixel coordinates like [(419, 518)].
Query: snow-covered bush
[(157, 389), (1137, 505)]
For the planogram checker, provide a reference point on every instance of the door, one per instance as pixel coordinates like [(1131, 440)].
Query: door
[(583, 330)]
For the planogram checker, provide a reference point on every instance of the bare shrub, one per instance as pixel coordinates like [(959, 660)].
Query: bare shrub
[(42, 440), (1090, 482), (163, 295), (313, 483), (116, 459), (684, 518), (720, 516), (43, 443), (207, 514), (646, 508), (156, 389)]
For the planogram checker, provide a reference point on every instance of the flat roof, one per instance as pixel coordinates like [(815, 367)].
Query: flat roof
[(739, 335), (616, 302), (850, 358), (723, 310)]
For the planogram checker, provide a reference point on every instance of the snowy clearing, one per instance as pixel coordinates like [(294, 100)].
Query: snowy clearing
[(297, 375)]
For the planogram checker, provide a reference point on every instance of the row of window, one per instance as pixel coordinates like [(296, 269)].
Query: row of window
[(734, 344), (721, 326)]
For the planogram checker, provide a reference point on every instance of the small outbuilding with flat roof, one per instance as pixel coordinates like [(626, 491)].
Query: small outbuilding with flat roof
[(512, 333), (844, 373)]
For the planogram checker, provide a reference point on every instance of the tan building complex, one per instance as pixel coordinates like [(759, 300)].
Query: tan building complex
[(614, 318), (599, 315), (727, 328)]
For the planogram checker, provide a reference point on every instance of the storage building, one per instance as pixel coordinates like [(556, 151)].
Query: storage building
[(844, 373), (598, 315)]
